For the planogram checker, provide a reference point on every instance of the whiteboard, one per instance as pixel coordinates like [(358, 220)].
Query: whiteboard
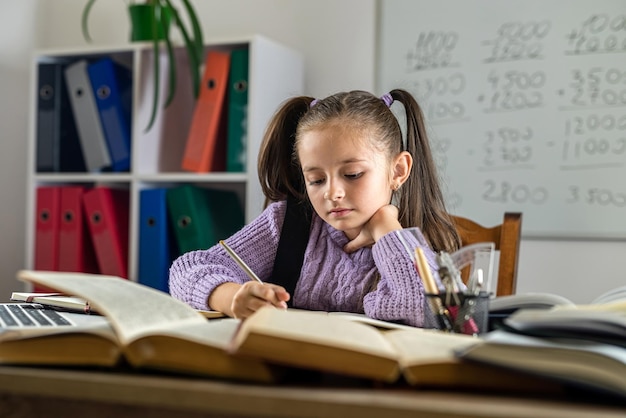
[(525, 103)]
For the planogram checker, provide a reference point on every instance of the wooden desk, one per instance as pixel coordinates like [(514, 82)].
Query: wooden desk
[(37, 392)]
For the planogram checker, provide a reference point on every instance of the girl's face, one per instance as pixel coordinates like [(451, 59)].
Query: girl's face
[(347, 181)]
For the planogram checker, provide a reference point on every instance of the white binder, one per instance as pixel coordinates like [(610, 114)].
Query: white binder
[(86, 116)]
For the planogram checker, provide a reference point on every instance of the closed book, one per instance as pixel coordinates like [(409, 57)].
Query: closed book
[(57, 301), (237, 128), (87, 118), (111, 83), (155, 241), (107, 211), (76, 252), (201, 217), (205, 149), (58, 146)]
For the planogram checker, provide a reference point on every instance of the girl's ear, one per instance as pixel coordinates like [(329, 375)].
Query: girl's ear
[(401, 169)]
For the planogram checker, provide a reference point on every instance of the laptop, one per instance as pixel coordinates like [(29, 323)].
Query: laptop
[(21, 320)]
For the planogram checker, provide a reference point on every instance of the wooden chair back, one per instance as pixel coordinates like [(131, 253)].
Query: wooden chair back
[(506, 238)]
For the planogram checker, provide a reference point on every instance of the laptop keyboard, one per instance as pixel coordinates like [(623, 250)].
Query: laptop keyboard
[(21, 315)]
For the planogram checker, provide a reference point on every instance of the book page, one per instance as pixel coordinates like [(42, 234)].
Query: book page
[(422, 346), (317, 328), (614, 295), (377, 323), (217, 333), (527, 300), (132, 308)]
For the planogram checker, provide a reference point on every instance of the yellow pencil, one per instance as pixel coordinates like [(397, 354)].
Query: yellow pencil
[(432, 290), (240, 262)]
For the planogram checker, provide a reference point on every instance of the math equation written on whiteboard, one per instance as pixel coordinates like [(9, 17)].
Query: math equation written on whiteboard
[(526, 112)]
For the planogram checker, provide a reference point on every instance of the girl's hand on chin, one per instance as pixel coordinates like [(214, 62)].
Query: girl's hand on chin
[(381, 223)]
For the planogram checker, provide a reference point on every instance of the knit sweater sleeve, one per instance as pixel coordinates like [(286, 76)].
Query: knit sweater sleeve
[(400, 294), (194, 275)]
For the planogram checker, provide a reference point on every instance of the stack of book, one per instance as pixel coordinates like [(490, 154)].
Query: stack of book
[(582, 346)]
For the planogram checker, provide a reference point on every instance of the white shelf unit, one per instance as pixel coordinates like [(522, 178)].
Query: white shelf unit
[(276, 73)]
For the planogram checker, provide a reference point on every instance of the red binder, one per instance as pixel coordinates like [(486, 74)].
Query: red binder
[(107, 216), (206, 141), (76, 252), (46, 230)]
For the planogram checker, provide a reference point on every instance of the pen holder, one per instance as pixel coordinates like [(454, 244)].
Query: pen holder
[(462, 313)]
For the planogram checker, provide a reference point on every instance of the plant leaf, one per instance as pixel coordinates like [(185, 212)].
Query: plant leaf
[(172, 68), (197, 29), (156, 84), (192, 49), (156, 64), (84, 19)]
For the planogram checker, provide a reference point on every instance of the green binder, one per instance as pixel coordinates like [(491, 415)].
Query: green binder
[(237, 127), (200, 217)]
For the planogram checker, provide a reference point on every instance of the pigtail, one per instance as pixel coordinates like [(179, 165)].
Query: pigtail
[(279, 173), (420, 199)]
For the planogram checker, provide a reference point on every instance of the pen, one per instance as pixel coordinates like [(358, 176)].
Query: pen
[(432, 290), (241, 263)]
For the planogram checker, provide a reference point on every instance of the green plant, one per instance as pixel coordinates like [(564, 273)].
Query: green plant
[(160, 32)]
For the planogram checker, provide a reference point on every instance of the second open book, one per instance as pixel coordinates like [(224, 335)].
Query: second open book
[(149, 329)]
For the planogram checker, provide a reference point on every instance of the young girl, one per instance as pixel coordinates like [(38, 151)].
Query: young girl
[(345, 157)]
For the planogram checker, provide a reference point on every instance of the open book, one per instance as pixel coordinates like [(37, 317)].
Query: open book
[(343, 344), (150, 329)]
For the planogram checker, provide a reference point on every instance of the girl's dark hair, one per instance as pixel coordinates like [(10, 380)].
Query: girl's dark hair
[(419, 200)]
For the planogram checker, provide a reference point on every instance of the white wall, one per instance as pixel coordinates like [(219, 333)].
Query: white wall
[(337, 38), (17, 39)]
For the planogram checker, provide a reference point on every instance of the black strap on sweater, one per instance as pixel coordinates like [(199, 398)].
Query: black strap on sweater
[(294, 237)]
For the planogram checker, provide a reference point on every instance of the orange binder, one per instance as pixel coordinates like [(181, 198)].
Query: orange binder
[(46, 230), (76, 251), (206, 141), (107, 216)]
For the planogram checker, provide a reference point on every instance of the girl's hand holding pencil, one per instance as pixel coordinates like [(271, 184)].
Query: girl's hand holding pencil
[(254, 294)]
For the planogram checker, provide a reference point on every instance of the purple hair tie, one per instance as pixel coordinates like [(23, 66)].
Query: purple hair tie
[(387, 99), (313, 103)]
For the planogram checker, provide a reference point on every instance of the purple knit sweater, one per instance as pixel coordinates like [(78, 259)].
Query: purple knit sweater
[(331, 280)]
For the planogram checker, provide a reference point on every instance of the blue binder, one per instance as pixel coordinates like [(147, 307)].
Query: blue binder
[(155, 245), (112, 88)]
